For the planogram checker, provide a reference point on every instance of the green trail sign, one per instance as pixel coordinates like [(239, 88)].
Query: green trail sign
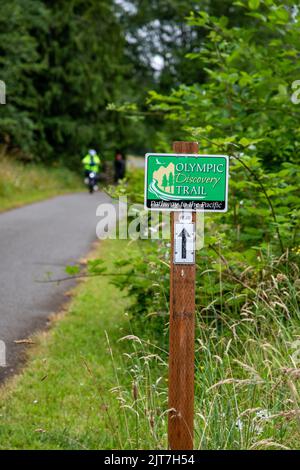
[(186, 182)]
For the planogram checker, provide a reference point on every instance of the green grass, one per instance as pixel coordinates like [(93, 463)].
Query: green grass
[(23, 184), (98, 380), (76, 391)]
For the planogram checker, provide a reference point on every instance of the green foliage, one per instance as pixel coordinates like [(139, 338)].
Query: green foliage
[(84, 73), (132, 187), (63, 63), (77, 73), (242, 254), (246, 100), (72, 270), (20, 61), (245, 110)]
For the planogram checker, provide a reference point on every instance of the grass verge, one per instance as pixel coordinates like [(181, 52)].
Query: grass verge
[(24, 184), (96, 382), (76, 391)]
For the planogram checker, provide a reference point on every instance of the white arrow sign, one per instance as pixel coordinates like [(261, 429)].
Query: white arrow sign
[(184, 237)]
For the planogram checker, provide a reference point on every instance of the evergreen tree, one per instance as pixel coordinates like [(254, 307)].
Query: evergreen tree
[(63, 62), (164, 182), (84, 53), (21, 22)]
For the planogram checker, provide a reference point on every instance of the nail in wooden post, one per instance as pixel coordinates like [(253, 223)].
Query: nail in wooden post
[(182, 337)]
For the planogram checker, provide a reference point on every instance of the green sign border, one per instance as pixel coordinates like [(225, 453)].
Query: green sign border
[(172, 209)]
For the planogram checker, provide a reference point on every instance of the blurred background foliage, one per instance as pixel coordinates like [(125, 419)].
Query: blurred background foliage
[(69, 65), (241, 106), (137, 75)]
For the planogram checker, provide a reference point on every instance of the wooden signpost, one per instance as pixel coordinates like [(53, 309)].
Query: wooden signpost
[(184, 183), (181, 339)]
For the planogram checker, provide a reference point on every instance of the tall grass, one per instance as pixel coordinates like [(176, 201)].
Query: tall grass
[(246, 374), (20, 184)]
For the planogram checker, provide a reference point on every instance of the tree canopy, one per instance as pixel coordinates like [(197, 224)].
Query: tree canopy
[(223, 69), (63, 62)]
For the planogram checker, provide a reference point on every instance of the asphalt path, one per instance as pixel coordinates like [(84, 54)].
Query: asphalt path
[(37, 242)]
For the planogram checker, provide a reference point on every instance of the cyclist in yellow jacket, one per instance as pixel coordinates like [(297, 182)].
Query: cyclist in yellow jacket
[(91, 162)]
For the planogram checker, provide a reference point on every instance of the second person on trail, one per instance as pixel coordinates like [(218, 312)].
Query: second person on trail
[(120, 166)]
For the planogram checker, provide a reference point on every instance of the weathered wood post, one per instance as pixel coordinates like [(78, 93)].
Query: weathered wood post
[(182, 337)]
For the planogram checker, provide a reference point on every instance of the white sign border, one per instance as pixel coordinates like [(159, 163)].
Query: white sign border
[(195, 155)]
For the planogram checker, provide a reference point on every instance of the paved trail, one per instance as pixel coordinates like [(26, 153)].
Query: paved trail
[(35, 240)]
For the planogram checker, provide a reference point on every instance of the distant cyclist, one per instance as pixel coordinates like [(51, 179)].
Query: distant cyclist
[(91, 162)]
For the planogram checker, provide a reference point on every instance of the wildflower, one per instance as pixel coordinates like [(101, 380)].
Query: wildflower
[(262, 414), (239, 424)]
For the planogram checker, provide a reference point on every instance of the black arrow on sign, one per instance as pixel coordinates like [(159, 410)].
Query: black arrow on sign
[(183, 234)]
